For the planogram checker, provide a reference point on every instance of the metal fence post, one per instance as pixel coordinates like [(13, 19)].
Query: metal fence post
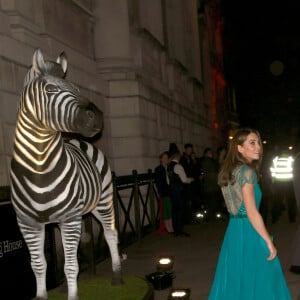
[(137, 209), (151, 199)]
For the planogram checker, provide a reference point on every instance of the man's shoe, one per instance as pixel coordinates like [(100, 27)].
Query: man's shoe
[(295, 269), (185, 234)]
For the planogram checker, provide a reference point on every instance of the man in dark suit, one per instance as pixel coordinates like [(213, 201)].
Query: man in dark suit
[(189, 193), (295, 263)]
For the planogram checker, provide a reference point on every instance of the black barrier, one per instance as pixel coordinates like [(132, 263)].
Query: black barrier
[(16, 277), (17, 280)]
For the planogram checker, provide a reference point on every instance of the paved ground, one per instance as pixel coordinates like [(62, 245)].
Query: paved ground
[(196, 257)]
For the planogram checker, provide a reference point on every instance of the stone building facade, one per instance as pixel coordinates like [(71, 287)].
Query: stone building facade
[(138, 60)]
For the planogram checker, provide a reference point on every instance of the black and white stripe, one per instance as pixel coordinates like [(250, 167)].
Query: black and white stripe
[(54, 180)]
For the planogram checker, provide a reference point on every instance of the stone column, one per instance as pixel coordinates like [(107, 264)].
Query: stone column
[(114, 62), (112, 37)]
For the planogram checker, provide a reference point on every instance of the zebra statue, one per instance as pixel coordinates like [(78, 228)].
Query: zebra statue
[(55, 181)]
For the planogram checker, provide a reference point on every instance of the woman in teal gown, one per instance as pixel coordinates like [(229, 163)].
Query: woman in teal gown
[(248, 267)]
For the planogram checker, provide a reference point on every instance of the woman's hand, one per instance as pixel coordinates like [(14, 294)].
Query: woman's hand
[(272, 250)]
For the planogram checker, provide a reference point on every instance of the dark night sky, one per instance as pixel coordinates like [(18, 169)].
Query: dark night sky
[(257, 33)]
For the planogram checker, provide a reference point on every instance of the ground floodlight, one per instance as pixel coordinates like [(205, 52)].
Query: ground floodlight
[(179, 294), (165, 263), (161, 280)]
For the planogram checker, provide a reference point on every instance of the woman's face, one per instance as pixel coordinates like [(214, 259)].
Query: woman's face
[(164, 160), (251, 148)]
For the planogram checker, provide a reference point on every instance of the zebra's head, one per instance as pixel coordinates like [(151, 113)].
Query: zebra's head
[(56, 104)]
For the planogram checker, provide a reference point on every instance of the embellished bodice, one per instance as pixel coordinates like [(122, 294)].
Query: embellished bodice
[(233, 193)]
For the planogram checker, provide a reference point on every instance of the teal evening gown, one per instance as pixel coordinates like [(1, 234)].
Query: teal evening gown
[(243, 271)]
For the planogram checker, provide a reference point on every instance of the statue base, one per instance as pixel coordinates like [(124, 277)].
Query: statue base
[(134, 288)]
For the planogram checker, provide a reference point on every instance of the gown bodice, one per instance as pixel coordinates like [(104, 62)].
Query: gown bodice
[(233, 192), (258, 196)]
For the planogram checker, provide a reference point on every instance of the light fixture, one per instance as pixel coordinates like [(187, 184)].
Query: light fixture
[(179, 294), (161, 280), (200, 215), (218, 215), (165, 263), (164, 275)]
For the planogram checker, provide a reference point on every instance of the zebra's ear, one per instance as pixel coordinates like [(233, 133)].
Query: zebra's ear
[(62, 60), (38, 63)]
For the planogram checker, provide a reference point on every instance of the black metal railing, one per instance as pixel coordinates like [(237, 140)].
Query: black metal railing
[(141, 211)]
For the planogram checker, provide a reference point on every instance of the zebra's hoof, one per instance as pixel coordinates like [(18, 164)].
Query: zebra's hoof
[(73, 298), (117, 281), (41, 296), (64, 287)]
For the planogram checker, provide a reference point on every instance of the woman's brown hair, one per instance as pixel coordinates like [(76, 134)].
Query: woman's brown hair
[(234, 158)]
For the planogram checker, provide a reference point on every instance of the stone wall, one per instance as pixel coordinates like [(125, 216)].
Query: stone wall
[(138, 60), (155, 90)]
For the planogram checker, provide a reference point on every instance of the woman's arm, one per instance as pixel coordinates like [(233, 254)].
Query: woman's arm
[(256, 219)]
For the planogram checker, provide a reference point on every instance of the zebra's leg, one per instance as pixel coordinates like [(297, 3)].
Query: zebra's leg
[(34, 237), (104, 213), (111, 237), (70, 233)]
